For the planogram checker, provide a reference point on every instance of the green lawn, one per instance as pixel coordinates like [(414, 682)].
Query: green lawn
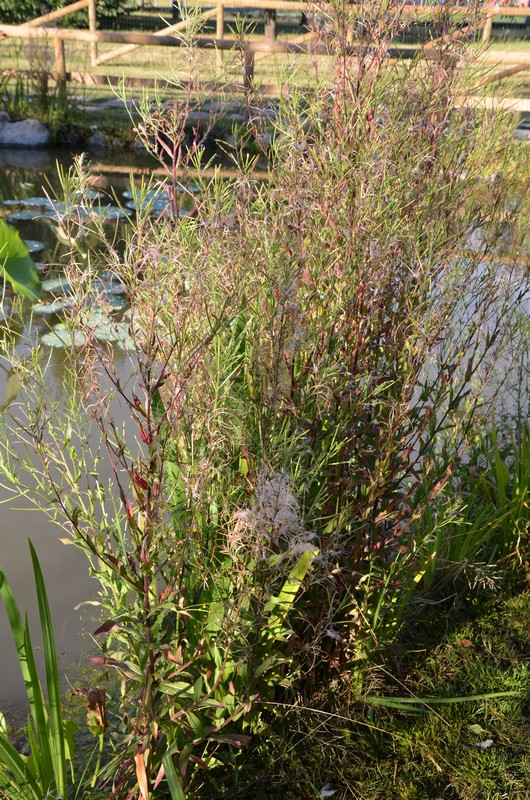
[(162, 62)]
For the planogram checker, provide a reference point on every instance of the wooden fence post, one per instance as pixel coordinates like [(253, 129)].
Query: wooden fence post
[(490, 13), (270, 24), (220, 29), (248, 67), (92, 24), (60, 70)]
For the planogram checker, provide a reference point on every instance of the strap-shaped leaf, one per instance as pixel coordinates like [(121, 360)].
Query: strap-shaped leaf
[(20, 772), (173, 782), (52, 679), (279, 606), (24, 648)]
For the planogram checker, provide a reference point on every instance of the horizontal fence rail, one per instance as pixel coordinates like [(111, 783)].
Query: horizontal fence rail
[(251, 50)]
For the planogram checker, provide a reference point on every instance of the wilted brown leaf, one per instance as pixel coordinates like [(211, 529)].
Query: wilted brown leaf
[(141, 775), (466, 643), (96, 716)]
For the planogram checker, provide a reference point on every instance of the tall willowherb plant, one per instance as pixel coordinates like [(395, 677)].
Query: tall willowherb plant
[(310, 357), (385, 288)]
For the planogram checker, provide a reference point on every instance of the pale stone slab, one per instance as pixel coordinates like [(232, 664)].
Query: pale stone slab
[(26, 133)]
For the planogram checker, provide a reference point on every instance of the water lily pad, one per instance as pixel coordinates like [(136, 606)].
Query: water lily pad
[(33, 245), (36, 202), (109, 287), (47, 309), (117, 289), (59, 285), (106, 213), (156, 200), (60, 336), (115, 332), (97, 317), (117, 302), (154, 207), (112, 212), (109, 275), (167, 212), (129, 195), (30, 202), (19, 216), (93, 194)]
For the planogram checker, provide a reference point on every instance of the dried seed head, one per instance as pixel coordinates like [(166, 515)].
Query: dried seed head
[(272, 526)]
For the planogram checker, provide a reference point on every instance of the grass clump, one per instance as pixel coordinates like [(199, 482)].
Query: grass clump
[(314, 360), (372, 752)]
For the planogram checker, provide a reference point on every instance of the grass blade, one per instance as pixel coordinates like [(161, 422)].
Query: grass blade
[(19, 632), (402, 702), (175, 788), (22, 776), (26, 660), (52, 680), (42, 751)]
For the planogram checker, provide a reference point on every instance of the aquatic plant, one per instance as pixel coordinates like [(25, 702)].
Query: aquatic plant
[(48, 768)]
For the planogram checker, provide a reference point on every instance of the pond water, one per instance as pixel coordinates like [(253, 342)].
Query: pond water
[(22, 178)]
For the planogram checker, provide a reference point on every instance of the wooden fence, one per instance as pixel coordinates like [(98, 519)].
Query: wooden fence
[(40, 27)]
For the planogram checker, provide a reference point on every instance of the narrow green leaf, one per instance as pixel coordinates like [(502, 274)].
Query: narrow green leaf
[(196, 724), (52, 679), (17, 628), (70, 728), (41, 749), (35, 760), (173, 782), (184, 690), (197, 690), (22, 776), (279, 606), (24, 648), (432, 701)]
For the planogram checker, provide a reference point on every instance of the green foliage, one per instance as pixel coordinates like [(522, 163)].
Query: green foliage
[(51, 741), (217, 659), (376, 752), (113, 8), (14, 12), (481, 516), (16, 266), (15, 97), (313, 357), (48, 769)]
